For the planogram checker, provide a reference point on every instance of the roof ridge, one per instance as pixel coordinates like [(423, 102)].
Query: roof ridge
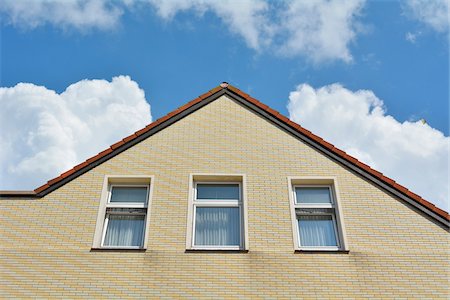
[(226, 86)]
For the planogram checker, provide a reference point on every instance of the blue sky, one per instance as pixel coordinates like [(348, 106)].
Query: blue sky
[(388, 56)]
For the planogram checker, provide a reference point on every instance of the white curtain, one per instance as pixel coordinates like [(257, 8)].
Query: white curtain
[(316, 231), (124, 230), (217, 226)]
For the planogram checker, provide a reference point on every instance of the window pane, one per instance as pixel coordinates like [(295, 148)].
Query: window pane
[(124, 230), (316, 231), (217, 226), (313, 195), (129, 194), (218, 191)]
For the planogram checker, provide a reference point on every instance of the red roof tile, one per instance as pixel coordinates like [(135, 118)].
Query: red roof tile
[(117, 145), (42, 188), (130, 137), (80, 166), (67, 173), (105, 152), (141, 132)]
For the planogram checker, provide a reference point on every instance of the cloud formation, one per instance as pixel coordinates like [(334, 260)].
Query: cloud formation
[(78, 14), (432, 13), (318, 30), (247, 18), (412, 153), (44, 133)]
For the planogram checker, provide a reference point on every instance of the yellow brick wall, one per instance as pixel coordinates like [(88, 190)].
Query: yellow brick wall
[(394, 251)]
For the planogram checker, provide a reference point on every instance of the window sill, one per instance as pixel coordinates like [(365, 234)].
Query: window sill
[(216, 250), (313, 251), (118, 249)]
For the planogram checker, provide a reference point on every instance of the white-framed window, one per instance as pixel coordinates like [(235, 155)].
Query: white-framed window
[(123, 213), (217, 214), (317, 223)]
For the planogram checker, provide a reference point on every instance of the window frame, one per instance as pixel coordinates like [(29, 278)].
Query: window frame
[(193, 203), (111, 181), (125, 205), (216, 203), (331, 209)]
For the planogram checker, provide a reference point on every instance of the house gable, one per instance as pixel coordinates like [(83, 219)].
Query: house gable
[(47, 245), (268, 114)]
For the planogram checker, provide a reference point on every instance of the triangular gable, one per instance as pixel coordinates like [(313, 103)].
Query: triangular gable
[(263, 110)]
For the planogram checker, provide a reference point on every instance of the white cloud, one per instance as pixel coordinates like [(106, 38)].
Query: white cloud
[(247, 18), (44, 133), (412, 153), (433, 13), (319, 30), (79, 14), (412, 37)]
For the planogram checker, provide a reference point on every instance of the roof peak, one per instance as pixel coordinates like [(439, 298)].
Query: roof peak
[(232, 91)]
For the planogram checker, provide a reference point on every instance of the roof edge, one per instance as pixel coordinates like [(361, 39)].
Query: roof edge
[(18, 194), (225, 88)]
